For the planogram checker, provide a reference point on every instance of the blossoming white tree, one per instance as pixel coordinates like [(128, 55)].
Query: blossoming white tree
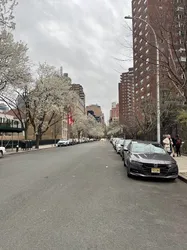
[(47, 100), (14, 62), (79, 123), (114, 128), (94, 129), (87, 126), (6, 14)]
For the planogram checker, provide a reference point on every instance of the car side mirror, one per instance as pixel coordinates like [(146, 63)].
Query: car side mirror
[(126, 149)]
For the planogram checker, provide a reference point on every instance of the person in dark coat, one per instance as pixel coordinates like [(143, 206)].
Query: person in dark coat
[(178, 145)]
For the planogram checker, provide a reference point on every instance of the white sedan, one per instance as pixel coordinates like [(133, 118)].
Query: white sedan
[(62, 143), (2, 152)]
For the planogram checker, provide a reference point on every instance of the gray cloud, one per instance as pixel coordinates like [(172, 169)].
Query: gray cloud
[(81, 35)]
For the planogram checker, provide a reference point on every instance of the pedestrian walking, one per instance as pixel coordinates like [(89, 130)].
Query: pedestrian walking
[(174, 145), (168, 145), (178, 145)]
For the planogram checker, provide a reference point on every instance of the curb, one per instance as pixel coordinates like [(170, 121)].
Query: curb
[(27, 151), (182, 178), (33, 150)]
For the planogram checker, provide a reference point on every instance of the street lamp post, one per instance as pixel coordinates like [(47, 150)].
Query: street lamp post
[(157, 73)]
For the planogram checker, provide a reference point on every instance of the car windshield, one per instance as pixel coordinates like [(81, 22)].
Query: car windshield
[(127, 143), (120, 141), (143, 148)]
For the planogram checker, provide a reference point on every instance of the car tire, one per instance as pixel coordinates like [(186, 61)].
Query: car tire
[(1, 154), (129, 175)]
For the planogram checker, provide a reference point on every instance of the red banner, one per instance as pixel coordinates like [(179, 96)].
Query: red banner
[(70, 119)]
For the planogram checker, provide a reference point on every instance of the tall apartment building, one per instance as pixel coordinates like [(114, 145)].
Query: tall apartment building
[(161, 16), (126, 97), (79, 90), (114, 112)]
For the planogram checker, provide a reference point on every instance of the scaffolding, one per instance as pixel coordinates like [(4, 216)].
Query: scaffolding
[(7, 128)]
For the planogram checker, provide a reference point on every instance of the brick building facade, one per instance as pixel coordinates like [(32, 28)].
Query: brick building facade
[(126, 97), (114, 112), (161, 16)]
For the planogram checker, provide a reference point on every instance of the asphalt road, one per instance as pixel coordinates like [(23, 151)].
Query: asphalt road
[(79, 198)]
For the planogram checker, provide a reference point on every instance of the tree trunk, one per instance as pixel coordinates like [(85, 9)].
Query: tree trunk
[(37, 141), (79, 133), (26, 131)]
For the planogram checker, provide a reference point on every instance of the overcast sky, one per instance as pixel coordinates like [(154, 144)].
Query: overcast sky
[(83, 36)]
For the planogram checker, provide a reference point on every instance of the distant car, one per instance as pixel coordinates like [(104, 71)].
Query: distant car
[(2, 152), (70, 141), (149, 159), (103, 139), (62, 143), (123, 149)]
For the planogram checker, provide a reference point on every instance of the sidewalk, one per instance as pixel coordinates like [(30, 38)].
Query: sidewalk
[(182, 164), (10, 151)]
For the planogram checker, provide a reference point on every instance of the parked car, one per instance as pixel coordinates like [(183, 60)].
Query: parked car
[(124, 148), (115, 141), (70, 141), (149, 159), (2, 152), (118, 145), (62, 143)]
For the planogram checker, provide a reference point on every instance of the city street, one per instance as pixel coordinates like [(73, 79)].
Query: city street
[(79, 198)]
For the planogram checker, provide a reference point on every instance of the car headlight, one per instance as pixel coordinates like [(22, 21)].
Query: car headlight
[(172, 165)]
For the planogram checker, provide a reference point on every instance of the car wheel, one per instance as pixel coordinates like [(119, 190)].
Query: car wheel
[(1, 154), (128, 175)]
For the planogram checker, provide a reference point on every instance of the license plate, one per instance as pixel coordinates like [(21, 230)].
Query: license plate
[(155, 170)]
